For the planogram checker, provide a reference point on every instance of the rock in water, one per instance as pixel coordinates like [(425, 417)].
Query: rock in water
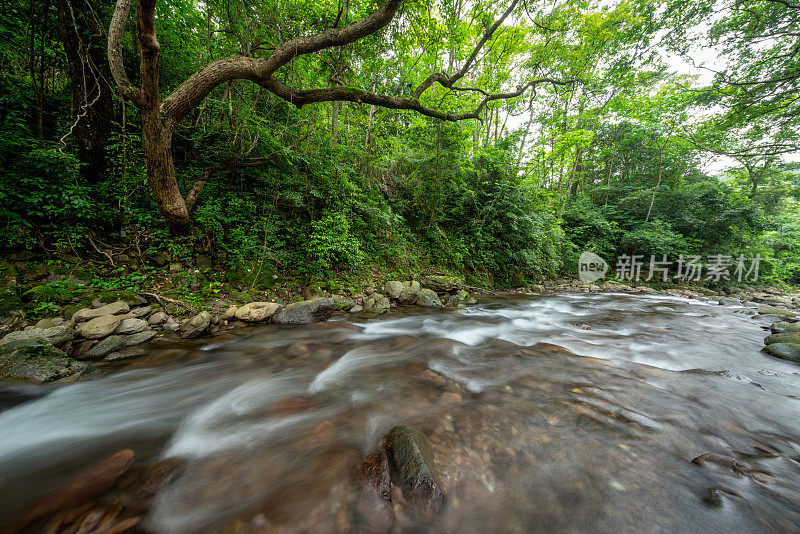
[(393, 288), (373, 512), (305, 312), (782, 326), (196, 325), (726, 462), (428, 299), (786, 351), (411, 468), (106, 346), (40, 364), (82, 489), (785, 337), (99, 326), (255, 312)]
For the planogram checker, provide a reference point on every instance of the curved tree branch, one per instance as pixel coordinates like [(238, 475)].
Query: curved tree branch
[(191, 92)]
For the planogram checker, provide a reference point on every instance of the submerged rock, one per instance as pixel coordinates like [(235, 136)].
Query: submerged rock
[(726, 462), (255, 312), (305, 312), (195, 326), (373, 511), (428, 299), (786, 351), (411, 468)]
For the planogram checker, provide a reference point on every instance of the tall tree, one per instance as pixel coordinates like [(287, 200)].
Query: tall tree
[(161, 115)]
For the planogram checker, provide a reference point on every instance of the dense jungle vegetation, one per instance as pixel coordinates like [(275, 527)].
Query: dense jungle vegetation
[(495, 140)]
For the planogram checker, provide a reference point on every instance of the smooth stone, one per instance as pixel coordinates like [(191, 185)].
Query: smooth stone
[(115, 308), (786, 351), (99, 326), (132, 326), (305, 312), (45, 323), (410, 463), (40, 364), (158, 318), (141, 312), (229, 313), (442, 283), (410, 292), (105, 346), (782, 326), (356, 309), (256, 312), (776, 312), (127, 353), (784, 337), (56, 335), (196, 325), (138, 339), (428, 299), (393, 288)]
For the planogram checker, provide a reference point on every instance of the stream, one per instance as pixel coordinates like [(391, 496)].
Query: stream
[(536, 422)]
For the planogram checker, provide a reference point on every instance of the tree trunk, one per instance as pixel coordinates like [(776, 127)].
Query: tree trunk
[(157, 140), (92, 100)]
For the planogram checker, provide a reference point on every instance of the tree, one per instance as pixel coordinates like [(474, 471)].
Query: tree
[(161, 116), (92, 100)]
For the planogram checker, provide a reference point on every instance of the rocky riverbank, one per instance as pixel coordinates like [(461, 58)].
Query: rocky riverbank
[(92, 327)]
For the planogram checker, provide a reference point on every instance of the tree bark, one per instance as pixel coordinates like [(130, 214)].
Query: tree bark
[(92, 100)]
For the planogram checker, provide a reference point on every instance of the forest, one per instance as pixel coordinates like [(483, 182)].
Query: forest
[(337, 139)]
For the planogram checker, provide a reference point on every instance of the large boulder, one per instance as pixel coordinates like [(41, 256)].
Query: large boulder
[(786, 351), (428, 299), (409, 293), (411, 468), (305, 312), (158, 318), (99, 326), (56, 335), (195, 326), (115, 308), (393, 289), (39, 364), (256, 312), (442, 283)]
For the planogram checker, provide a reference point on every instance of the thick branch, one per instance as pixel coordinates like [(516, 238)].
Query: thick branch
[(191, 92), (148, 50), (349, 94), (116, 34)]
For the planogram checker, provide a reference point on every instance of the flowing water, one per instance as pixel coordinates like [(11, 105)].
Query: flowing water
[(536, 423)]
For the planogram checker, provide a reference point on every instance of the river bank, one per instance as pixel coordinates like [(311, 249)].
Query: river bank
[(60, 324)]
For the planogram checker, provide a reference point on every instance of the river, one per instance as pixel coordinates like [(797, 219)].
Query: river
[(566, 412)]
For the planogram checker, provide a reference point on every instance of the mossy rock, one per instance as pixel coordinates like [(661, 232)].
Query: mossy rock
[(129, 297), (39, 364), (261, 275), (71, 309), (785, 337), (787, 351)]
